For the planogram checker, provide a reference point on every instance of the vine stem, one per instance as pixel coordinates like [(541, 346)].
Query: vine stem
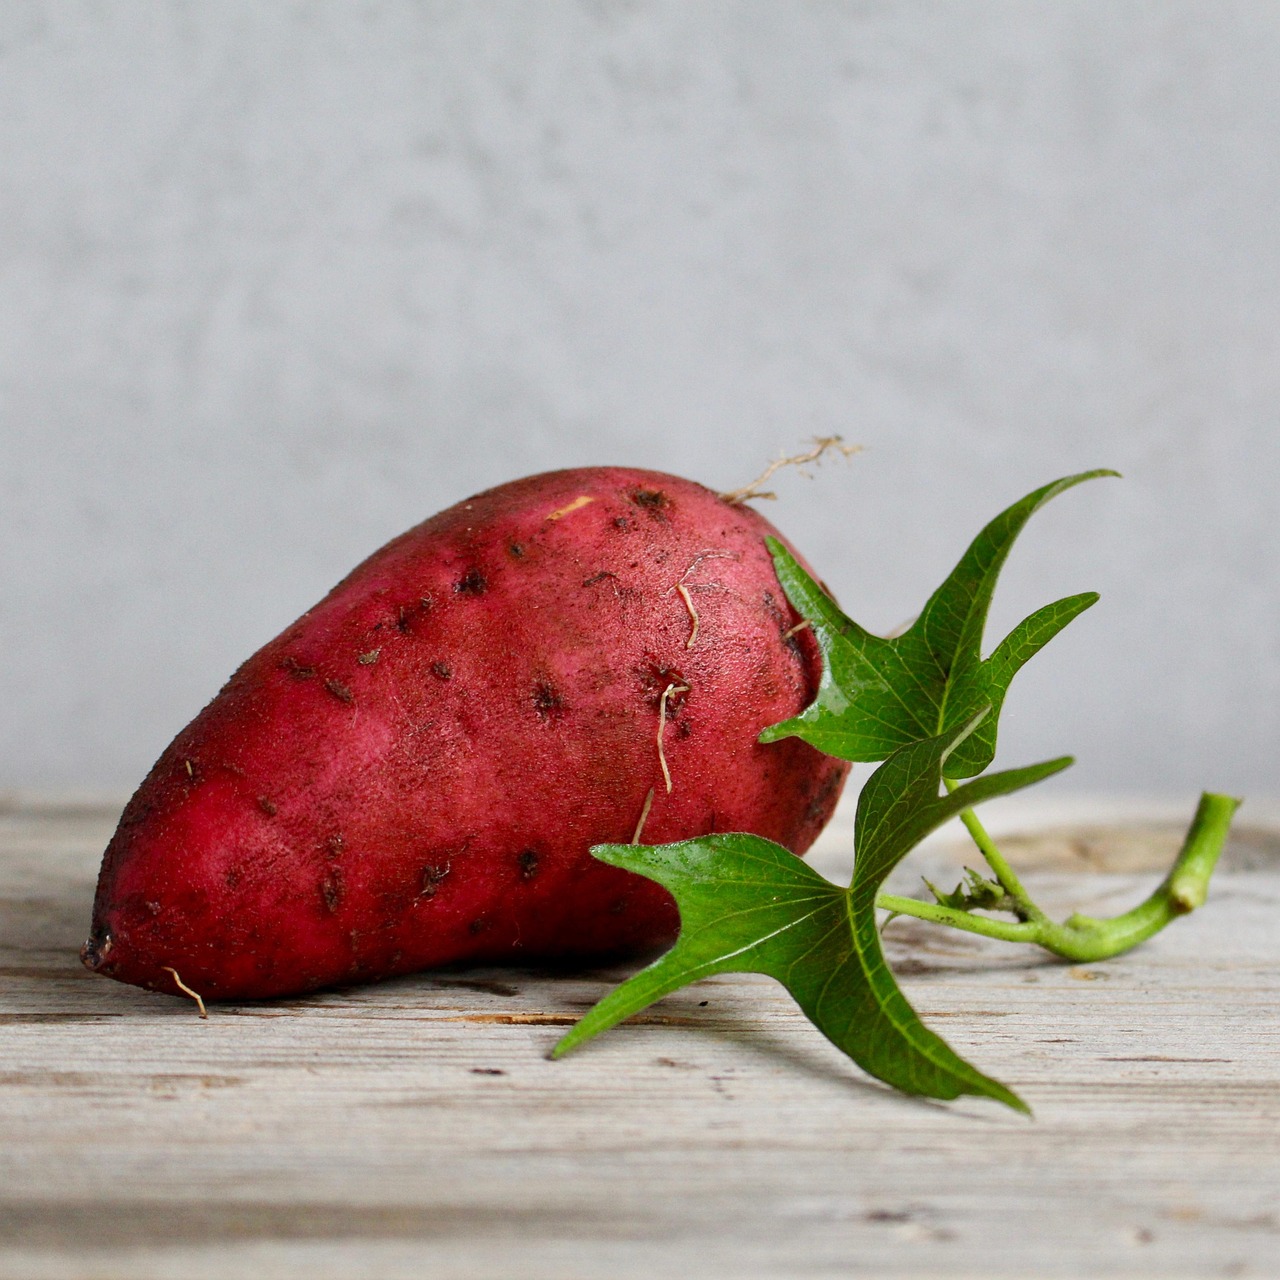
[(1084, 939), (1024, 908)]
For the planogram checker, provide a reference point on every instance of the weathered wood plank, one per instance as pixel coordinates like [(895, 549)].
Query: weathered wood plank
[(418, 1128)]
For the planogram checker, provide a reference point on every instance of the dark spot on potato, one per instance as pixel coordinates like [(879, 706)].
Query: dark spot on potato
[(331, 891), (621, 522), (333, 846), (683, 727), (154, 907), (339, 691), (404, 619), (233, 878), (654, 678), (528, 864), (431, 877), (548, 701), (775, 611), (599, 577), (296, 668), (653, 502), (516, 550), (442, 671), (472, 583), (267, 806), (478, 926), (824, 799), (487, 1071), (618, 907)]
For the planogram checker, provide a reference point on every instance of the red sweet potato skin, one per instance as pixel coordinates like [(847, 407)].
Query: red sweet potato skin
[(413, 772)]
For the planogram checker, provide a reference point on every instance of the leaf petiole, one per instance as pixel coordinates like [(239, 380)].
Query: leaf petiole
[(1024, 908), (1084, 939)]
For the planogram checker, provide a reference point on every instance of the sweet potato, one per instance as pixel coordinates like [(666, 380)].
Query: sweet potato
[(413, 772)]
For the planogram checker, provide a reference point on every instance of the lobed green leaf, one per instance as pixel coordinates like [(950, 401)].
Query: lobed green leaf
[(748, 905), (876, 695)]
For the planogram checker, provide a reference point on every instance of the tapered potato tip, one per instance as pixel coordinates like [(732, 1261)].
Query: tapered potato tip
[(94, 953)]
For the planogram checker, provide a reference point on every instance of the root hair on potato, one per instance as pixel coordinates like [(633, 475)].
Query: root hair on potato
[(693, 614), (582, 500), (186, 990), (800, 626), (644, 817), (662, 724), (708, 555), (685, 592), (821, 446)]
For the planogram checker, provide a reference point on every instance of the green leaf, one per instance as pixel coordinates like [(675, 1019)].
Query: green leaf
[(748, 905), (877, 695)]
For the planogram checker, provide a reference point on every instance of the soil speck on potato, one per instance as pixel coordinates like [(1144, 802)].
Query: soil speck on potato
[(472, 583), (431, 877), (331, 891), (442, 671), (339, 691), (528, 864)]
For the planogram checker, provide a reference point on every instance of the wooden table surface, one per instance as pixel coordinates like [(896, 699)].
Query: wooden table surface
[(418, 1129)]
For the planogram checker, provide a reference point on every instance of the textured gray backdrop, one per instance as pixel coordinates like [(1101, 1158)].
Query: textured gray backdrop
[(278, 280)]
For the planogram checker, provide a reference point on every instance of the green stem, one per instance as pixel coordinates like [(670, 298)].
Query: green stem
[(1005, 930), (1024, 908), (1084, 939)]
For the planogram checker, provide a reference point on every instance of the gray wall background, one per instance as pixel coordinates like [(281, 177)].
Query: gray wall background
[(279, 280)]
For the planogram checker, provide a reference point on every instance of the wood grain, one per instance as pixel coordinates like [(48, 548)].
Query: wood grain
[(417, 1128)]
